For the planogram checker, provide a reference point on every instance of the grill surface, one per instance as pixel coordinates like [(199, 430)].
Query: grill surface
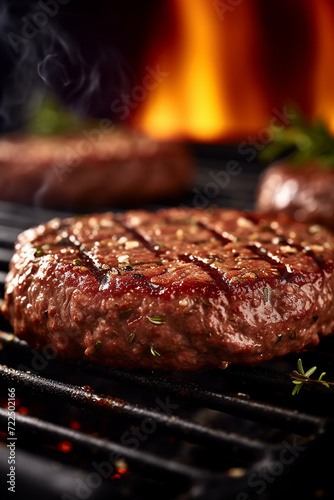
[(85, 431)]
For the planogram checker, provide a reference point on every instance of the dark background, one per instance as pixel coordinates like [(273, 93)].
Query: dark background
[(87, 54)]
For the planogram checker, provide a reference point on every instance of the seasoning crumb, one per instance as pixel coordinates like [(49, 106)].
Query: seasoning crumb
[(314, 229), (129, 245), (124, 259), (236, 472), (250, 275), (179, 234), (243, 222)]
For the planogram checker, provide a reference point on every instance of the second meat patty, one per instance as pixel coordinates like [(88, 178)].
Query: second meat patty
[(177, 289)]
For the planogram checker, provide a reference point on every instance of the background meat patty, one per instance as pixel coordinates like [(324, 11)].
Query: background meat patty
[(92, 169), (304, 192), (178, 289)]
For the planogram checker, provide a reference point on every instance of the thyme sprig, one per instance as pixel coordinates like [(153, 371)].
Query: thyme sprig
[(300, 377)]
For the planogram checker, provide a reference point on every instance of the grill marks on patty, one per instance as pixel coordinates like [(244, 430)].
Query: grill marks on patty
[(219, 248)]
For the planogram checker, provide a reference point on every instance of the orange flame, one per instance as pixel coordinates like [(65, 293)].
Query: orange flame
[(323, 69), (211, 77), (231, 64)]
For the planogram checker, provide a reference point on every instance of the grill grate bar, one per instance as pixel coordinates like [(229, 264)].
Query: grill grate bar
[(5, 256), (86, 398), (284, 418), (35, 429), (8, 236), (299, 422), (3, 275), (22, 217)]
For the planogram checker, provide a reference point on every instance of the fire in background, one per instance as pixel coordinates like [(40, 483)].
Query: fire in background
[(204, 70)]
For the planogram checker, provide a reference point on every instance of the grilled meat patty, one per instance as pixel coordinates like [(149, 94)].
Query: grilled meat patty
[(93, 170), (305, 193), (177, 289)]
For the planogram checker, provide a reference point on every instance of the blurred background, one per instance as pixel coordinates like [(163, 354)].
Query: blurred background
[(204, 70), (219, 77)]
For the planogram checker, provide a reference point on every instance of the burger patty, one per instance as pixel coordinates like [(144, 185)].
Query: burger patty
[(92, 170), (176, 289), (303, 192)]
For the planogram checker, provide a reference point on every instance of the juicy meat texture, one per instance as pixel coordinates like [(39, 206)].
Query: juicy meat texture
[(100, 169), (305, 193), (176, 289)]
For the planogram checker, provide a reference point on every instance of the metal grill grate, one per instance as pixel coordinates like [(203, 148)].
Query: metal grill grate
[(234, 434)]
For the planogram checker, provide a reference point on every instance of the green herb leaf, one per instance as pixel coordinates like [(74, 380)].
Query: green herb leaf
[(39, 252), (310, 371), (296, 389), (157, 320), (125, 313), (300, 367), (301, 141), (131, 338), (154, 352), (98, 345), (53, 118)]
